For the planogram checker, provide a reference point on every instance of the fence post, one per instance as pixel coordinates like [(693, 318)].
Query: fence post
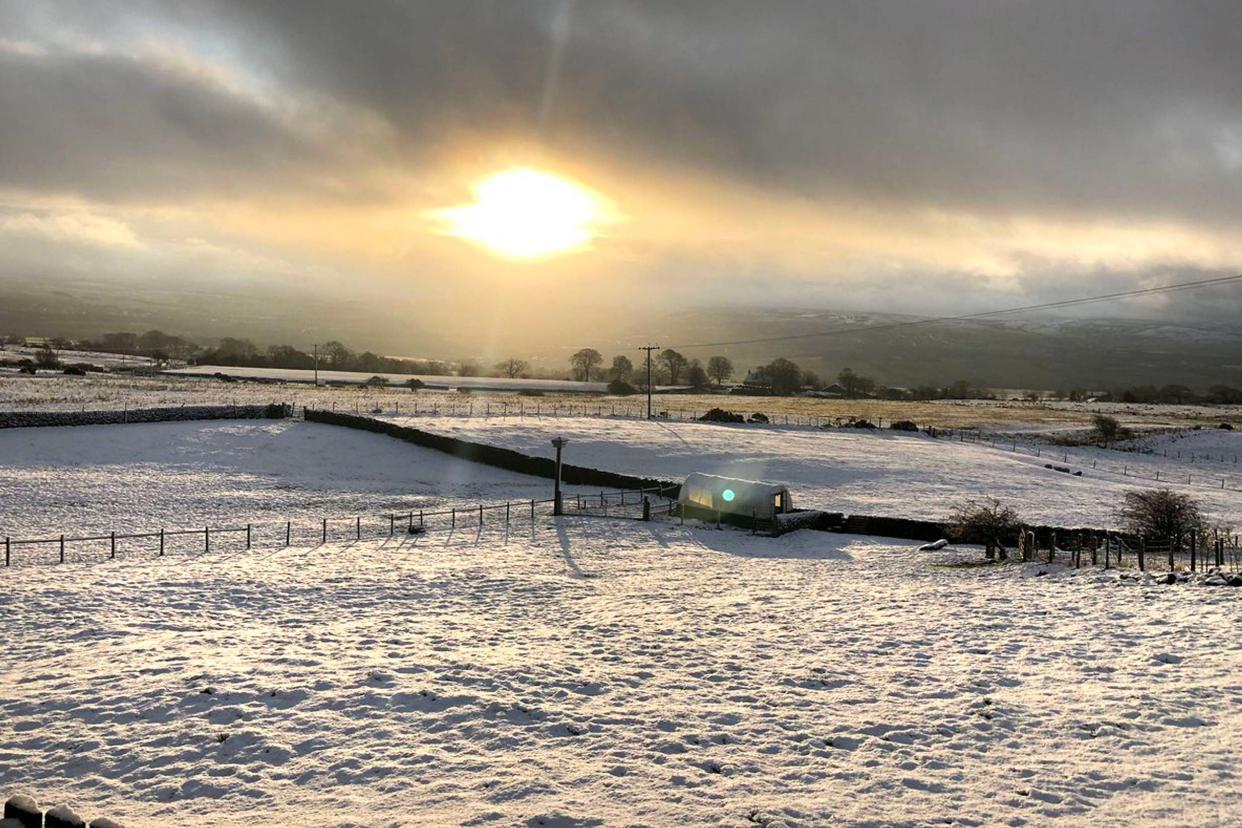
[(453, 518), (161, 543), (112, 548), (358, 527), (506, 513), (1107, 549), (1194, 541), (6, 550), (480, 514), (247, 535), (1142, 554), (532, 510), (325, 530), (646, 508), (420, 520), (1171, 548), (206, 538), (392, 524), (288, 531)]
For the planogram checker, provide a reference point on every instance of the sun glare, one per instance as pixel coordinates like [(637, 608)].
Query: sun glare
[(524, 213)]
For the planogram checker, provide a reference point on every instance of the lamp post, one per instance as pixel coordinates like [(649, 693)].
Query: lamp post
[(559, 442)]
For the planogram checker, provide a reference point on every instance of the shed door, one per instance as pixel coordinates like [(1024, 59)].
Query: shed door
[(778, 502)]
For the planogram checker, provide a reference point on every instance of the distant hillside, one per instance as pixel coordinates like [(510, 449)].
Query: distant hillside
[(1042, 353)]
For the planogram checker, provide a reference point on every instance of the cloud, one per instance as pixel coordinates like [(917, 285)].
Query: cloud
[(1015, 149)]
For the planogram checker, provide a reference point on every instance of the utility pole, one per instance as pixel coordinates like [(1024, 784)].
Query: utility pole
[(649, 349), (559, 442)]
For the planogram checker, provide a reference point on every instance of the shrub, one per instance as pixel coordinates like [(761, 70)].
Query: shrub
[(1225, 426), (1108, 429), (74, 371), (860, 423), (903, 425), (530, 392), (1163, 514), (719, 415), (414, 384), (986, 521), (758, 417), (376, 381), (621, 388)]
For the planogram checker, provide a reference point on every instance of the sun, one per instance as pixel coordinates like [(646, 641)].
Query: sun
[(525, 213)]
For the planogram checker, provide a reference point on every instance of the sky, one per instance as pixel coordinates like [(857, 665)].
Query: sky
[(928, 157)]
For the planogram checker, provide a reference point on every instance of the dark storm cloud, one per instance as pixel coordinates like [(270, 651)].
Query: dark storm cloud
[(111, 125), (1122, 109)]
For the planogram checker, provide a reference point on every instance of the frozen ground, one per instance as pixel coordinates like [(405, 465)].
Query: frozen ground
[(861, 472), (594, 672), (138, 477)]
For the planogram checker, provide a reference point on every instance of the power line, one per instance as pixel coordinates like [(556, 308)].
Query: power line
[(1063, 303)]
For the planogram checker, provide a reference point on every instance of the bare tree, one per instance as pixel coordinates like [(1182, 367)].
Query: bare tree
[(720, 368), (512, 367), (1108, 429), (986, 521), (585, 360), (621, 368), (1163, 514), (674, 362), (45, 357)]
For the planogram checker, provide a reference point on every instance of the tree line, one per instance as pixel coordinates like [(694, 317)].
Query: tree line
[(780, 376)]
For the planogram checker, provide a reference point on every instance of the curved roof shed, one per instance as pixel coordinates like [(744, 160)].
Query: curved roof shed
[(734, 496)]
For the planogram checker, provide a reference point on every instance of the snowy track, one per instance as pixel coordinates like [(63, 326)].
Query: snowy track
[(617, 673)]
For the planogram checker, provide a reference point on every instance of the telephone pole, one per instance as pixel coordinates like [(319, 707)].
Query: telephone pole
[(649, 349)]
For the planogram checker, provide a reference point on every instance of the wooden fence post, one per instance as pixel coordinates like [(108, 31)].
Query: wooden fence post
[(112, 548), (325, 530), (206, 538), (480, 514), (161, 543), (6, 550), (1142, 554), (288, 531), (532, 510), (453, 518), (392, 524), (247, 535), (358, 527), (62, 548)]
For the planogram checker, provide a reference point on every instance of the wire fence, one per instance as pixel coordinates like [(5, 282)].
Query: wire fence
[(1207, 552), (1055, 454), (66, 548), (522, 410)]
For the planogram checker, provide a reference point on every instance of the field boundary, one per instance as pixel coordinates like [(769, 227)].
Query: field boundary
[(501, 458), (42, 419)]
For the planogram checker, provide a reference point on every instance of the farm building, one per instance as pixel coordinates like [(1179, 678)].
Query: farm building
[(708, 495)]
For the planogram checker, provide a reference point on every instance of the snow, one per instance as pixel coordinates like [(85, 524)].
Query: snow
[(616, 673), (140, 477), (304, 375), (848, 470), (590, 671)]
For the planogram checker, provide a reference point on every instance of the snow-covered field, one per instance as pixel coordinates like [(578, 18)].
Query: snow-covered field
[(857, 471), (303, 375), (589, 671), (592, 672), (140, 477)]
